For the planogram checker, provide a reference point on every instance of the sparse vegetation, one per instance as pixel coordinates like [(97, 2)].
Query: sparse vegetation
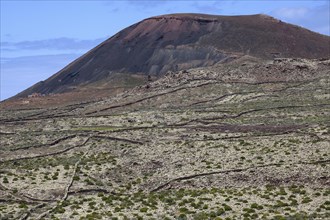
[(211, 150)]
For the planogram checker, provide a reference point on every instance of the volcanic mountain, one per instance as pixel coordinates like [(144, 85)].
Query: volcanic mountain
[(245, 138), (156, 45)]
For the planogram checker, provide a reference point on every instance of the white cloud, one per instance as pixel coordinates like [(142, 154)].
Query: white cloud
[(291, 12), (314, 18), (20, 73), (62, 43), (208, 6), (52, 46)]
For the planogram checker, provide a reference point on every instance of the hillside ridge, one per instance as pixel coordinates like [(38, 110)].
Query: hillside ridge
[(156, 45)]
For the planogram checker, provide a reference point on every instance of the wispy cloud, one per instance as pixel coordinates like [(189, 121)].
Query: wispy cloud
[(20, 73), (147, 4), (292, 12), (315, 18), (42, 61), (52, 44), (142, 4), (208, 6)]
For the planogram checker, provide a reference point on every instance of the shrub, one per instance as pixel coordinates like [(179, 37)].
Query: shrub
[(256, 206), (306, 200), (23, 206), (213, 214), (182, 217), (184, 210), (227, 207), (76, 178), (144, 209), (220, 211), (201, 216), (5, 180)]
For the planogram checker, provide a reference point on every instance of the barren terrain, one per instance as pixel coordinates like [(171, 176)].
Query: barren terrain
[(248, 139)]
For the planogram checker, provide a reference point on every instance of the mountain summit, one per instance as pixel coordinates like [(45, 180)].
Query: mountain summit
[(175, 42)]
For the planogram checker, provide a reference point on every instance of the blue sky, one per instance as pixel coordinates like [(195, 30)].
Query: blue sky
[(38, 38)]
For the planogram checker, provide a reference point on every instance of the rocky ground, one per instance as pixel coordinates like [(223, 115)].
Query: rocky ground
[(245, 139)]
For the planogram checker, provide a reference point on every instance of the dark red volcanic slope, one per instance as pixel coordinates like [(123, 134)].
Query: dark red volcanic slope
[(180, 41)]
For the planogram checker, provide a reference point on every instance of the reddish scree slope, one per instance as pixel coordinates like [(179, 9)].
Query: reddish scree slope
[(181, 41)]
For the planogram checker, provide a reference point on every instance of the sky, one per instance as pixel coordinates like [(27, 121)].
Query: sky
[(39, 38)]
